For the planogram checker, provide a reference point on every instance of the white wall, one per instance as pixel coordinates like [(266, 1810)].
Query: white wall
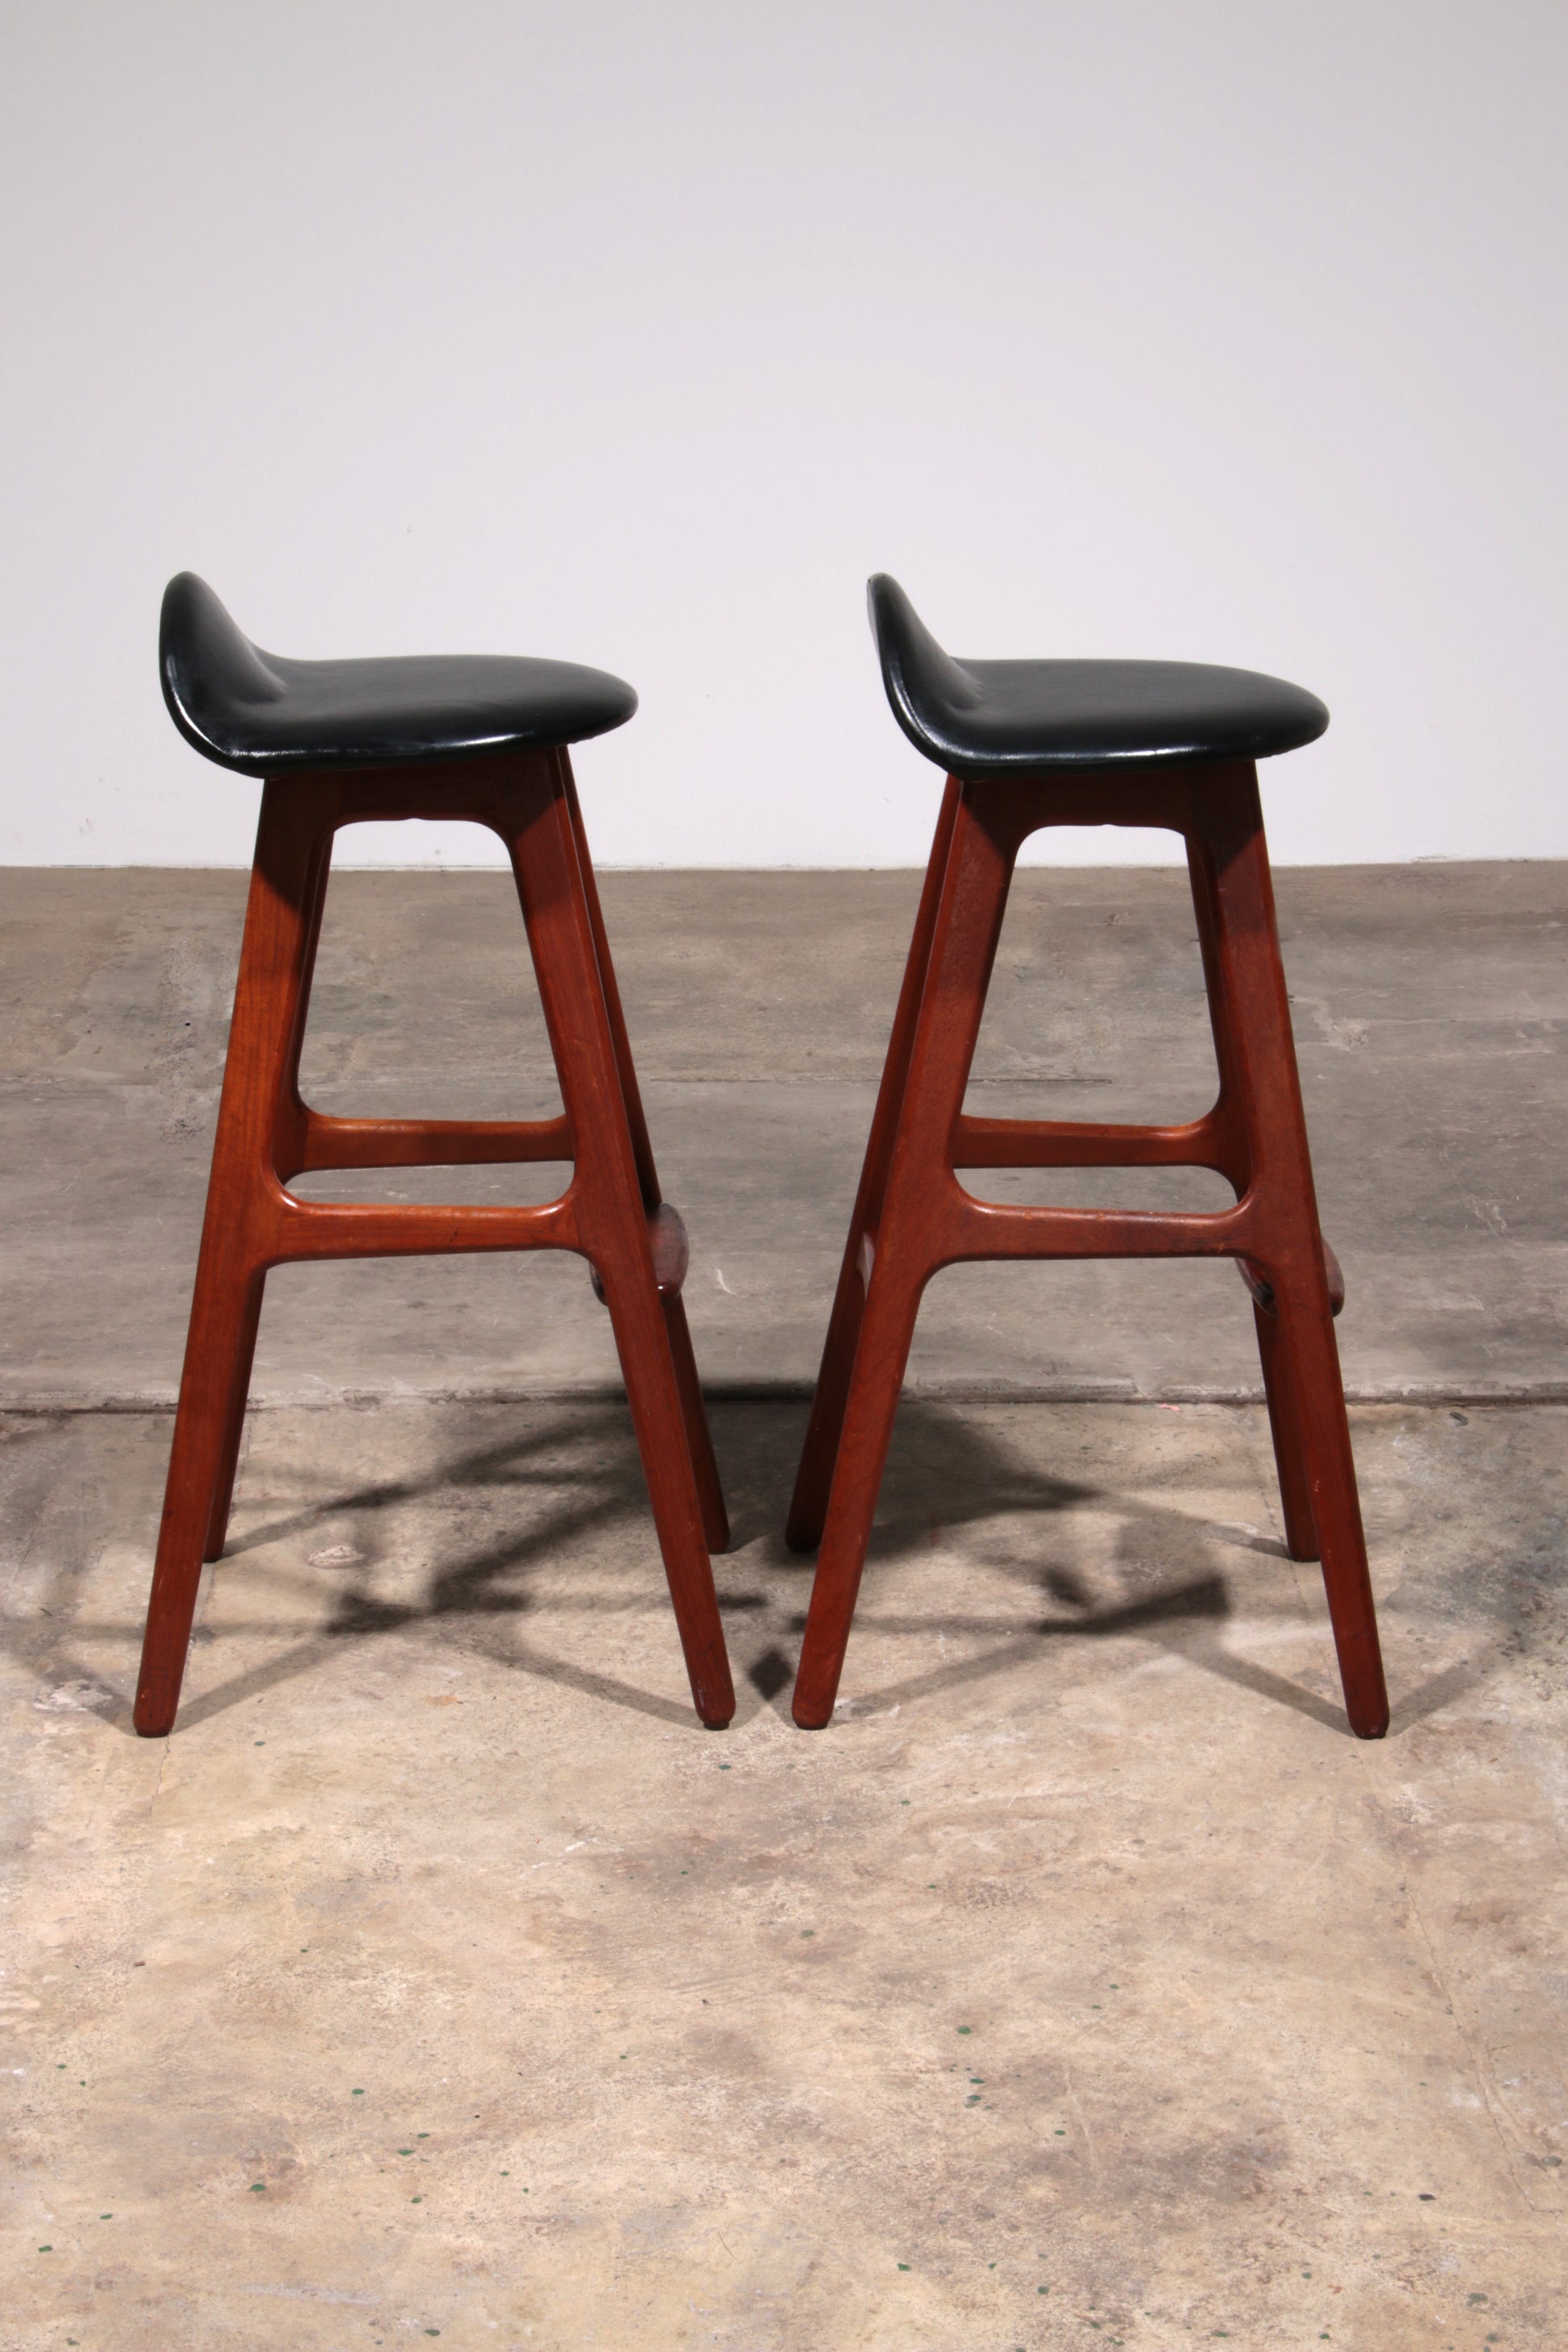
[(639, 334)]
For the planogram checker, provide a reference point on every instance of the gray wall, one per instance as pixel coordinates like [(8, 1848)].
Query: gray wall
[(640, 334)]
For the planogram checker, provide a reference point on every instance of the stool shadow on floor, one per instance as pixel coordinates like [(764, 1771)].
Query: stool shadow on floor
[(946, 1473), (540, 1491), (583, 1465)]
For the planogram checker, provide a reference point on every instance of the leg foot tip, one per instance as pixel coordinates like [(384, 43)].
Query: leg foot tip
[(715, 1709)]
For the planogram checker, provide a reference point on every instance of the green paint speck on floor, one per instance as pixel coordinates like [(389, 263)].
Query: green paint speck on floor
[(903, 2266)]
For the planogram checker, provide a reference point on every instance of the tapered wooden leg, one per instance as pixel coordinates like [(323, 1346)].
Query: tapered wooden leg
[(694, 1420), (216, 1339), (612, 1223), (273, 969), (1285, 1429), (970, 899), (813, 1479), (234, 1417), (289, 1127), (642, 1342), (877, 1376), (1307, 1336), (1284, 1411), (1290, 1249), (699, 1438)]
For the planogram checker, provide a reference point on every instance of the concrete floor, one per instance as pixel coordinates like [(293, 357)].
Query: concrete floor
[(1431, 1003), (1086, 1983)]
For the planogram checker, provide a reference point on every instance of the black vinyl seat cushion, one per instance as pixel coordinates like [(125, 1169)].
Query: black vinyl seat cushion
[(265, 715), (991, 717)]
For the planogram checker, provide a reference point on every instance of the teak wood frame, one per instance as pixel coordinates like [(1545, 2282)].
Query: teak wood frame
[(913, 1216), (611, 1212)]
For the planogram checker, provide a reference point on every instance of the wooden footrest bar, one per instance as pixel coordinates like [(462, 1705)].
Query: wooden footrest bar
[(428, 1143), (1067, 1144)]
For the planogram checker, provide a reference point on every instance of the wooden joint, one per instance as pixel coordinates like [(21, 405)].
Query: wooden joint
[(672, 1253), (1262, 1289)]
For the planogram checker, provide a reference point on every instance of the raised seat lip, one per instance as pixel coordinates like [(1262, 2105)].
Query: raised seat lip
[(976, 718), (260, 713)]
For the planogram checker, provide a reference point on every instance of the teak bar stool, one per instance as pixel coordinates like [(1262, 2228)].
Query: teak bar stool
[(1028, 744), (341, 743)]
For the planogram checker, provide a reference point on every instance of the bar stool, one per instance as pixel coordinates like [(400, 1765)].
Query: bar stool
[(342, 743), (1028, 744)]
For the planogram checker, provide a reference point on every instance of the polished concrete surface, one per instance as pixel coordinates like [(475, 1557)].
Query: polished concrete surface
[(1086, 1983)]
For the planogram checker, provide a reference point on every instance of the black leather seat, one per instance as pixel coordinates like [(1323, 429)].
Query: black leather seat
[(991, 717), (265, 715)]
